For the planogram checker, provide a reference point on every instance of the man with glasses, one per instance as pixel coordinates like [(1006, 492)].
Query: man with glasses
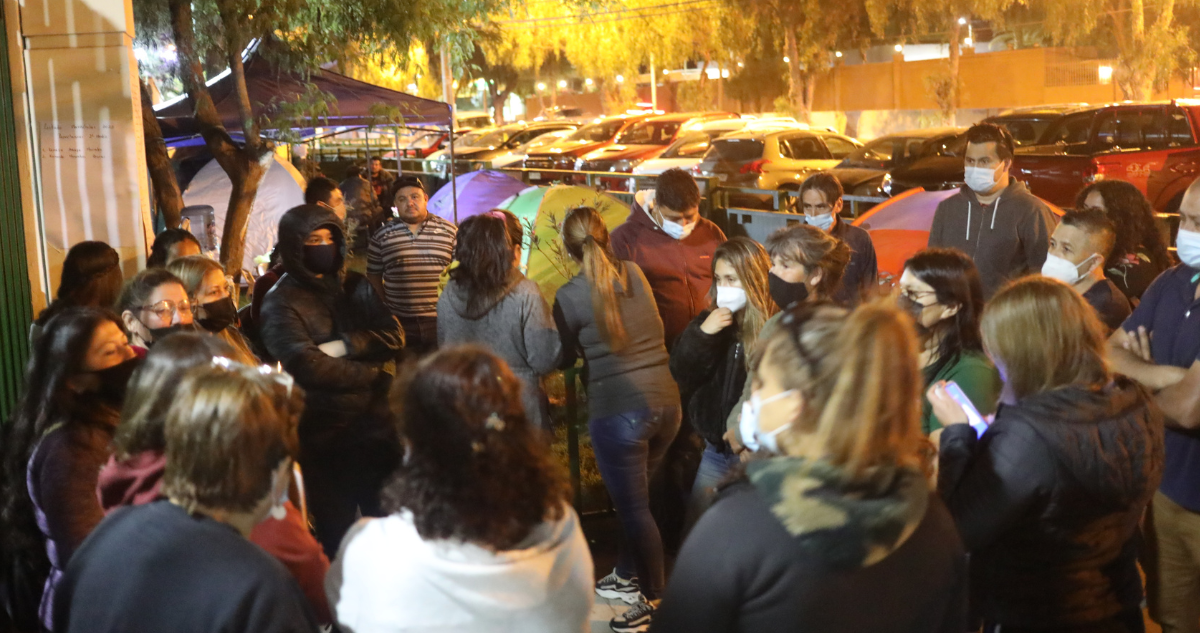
[(1006, 241), (821, 202)]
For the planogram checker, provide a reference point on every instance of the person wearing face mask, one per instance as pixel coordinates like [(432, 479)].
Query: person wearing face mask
[(1049, 498), (1159, 346), (213, 306), (54, 446), (154, 305), (821, 202), (711, 357), (806, 266), (330, 330), (405, 258), (993, 218), (666, 237), (185, 562), (1140, 252), (838, 529), (940, 289), (1078, 249)]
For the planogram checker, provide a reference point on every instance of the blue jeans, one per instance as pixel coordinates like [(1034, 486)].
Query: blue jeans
[(629, 447), (714, 466)]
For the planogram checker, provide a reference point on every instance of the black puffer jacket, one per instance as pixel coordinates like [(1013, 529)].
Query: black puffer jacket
[(1049, 499), (303, 311), (711, 372)]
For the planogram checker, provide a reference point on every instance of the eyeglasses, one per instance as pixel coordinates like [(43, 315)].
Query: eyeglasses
[(915, 295), (168, 309)]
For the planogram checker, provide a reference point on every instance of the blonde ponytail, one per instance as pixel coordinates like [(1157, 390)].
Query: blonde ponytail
[(586, 239), (861, 383)]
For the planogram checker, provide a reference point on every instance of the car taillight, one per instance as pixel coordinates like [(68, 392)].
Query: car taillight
[(755, 167)]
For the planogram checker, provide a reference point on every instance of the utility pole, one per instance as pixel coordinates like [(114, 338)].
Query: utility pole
[(653, 85)]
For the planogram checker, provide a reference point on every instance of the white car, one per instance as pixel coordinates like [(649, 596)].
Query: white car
[(518, 153)]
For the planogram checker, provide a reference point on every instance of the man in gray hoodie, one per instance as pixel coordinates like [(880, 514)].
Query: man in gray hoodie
[(994, 219)]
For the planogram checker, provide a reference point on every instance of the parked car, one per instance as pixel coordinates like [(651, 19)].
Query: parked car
[(472, 119), (563, 153), (685, 153), (486, 138), (516, 155), (424, 144), (641, 141), (773, 160), (554, 113), (516, 139), (1152, 145), (862, 173), (939, 166), (1027, 125)]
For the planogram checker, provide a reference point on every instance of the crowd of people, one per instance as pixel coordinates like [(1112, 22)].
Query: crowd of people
[(1004, 440)]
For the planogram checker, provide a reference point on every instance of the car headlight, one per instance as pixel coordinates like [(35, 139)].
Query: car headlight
[(626, 164), (886, 185)]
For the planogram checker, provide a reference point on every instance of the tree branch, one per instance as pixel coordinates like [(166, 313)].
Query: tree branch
[(235, 42), (162, 175), (224, 150)]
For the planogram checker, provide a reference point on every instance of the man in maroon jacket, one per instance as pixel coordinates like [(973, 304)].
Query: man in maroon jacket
[(666, 237)]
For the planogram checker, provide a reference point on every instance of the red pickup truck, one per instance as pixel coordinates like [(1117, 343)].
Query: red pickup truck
[(1152, 145)]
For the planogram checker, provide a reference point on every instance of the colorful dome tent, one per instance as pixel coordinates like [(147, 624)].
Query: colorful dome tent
[(478, 192), (543, 209)]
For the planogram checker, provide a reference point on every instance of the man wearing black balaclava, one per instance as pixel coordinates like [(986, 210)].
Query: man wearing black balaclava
[(335, 336)]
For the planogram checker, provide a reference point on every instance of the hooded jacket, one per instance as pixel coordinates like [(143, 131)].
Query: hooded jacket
[(1048, 502), (303, 311), (518, 327), (799, 547), (1007, 239), (679, 271), (386, 578)]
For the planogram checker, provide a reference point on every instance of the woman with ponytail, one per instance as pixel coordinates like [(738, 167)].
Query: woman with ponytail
[(481, 535), (607, 314), (711, 357), (837, 529)]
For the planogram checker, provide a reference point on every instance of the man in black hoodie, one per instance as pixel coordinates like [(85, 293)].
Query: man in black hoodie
[(334, 335), (993, 218)]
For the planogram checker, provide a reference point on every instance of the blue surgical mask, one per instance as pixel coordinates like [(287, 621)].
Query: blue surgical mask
[(823, 221), (980, 179), (750, 425), (1187, 244), (677, 230)]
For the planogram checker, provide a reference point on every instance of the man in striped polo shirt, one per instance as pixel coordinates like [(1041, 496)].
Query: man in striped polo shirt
[(405, 257)]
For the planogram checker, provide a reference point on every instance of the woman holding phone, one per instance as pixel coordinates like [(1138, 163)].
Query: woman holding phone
[(940, 288), (1049, 498)]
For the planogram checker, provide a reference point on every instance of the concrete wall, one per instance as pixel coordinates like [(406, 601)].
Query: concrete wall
[(83, 129)]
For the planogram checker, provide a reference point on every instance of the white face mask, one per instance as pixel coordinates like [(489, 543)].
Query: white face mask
[(730, 297), (677, 230), (823, 221), (980, 179), (1063, 270), (750, 426), (1187, 245)]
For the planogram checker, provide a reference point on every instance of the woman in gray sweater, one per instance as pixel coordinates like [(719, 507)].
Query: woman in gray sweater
[(608, 314), (489, 302)]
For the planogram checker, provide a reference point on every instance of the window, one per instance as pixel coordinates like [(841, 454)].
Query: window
[(1130, 130), (597, 132), (1179, 129), (736, 150), (1070, 130), (649, 133), (802, 148), (952, 146), (691, 146), (839, 147)]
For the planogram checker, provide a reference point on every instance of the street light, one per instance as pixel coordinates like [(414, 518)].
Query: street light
[(899, 48), (962, 21), (620, 79), (786, 60), (968, 42), (838, 54), (562, 83), (541, 86), (1106, 73), (587, 82), (741, 65), (412, 88)]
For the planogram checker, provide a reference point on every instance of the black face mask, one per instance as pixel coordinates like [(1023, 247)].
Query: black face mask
[(112, 382), (321, 259), (786, 293), (218, 314), (159, 333), (914, 310)]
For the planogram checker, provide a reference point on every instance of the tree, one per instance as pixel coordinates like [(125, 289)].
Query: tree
[(1150, 41), (308, 33)]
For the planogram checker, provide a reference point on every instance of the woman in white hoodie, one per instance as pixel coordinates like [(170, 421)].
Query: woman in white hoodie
[(482, 537)]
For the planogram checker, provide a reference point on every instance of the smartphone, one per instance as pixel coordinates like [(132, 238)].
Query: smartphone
[(977, 422)]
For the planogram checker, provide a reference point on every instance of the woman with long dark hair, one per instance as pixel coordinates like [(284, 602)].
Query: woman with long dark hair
[(214, 305), (54, 447), (941, 289), (607, 313), (1140, 254), (489, 302), (481, 535), (1049, 498), (91, 276), (711, 357)]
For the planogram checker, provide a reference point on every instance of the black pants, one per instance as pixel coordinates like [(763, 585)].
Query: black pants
[(343, 482), (1125, 622)]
